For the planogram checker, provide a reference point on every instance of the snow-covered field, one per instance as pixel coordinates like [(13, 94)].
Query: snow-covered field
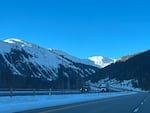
[(21, 103)]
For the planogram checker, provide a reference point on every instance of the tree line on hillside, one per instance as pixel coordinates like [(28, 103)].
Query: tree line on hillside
[(136, 67)]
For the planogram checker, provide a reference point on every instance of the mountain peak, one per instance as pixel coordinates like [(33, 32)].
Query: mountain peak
[(18, 42), (13, 40), (102, 61)]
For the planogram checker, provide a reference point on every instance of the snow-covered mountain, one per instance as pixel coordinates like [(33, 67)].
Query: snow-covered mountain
[(102, 61), (18, 57)]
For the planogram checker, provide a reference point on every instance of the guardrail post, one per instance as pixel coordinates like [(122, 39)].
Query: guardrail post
[(50, 91), (11, 92), (33, 92)]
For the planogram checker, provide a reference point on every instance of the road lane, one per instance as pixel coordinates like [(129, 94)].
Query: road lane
[(145, 105), (122, 104)]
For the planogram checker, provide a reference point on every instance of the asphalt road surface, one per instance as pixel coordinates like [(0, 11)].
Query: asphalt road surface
[(137, 103)]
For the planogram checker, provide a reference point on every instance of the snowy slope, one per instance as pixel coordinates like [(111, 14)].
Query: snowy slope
[(42, 56), (26, 59), (36, 55), (102, 61)]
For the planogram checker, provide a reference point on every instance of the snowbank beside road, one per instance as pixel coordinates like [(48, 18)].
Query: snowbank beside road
[(21, 103)]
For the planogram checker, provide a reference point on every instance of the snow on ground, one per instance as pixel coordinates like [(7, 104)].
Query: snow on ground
[(21, 103), (125, 84), (113, 83)]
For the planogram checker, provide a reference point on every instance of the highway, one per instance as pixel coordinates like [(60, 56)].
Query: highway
[(137, 103)]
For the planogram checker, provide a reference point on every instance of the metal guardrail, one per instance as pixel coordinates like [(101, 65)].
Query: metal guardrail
[(26, 92)]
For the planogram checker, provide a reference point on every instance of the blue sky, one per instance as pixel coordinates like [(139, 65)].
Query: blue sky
[(83, 28)]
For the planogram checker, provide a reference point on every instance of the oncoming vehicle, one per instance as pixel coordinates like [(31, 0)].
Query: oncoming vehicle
[(84, 89)]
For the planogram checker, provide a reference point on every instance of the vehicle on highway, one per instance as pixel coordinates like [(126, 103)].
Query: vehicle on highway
[(84, 89)]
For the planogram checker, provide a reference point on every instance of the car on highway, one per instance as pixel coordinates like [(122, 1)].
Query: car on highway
[(84, 89)]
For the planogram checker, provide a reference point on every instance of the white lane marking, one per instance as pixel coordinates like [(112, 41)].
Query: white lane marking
[(136, 110)]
